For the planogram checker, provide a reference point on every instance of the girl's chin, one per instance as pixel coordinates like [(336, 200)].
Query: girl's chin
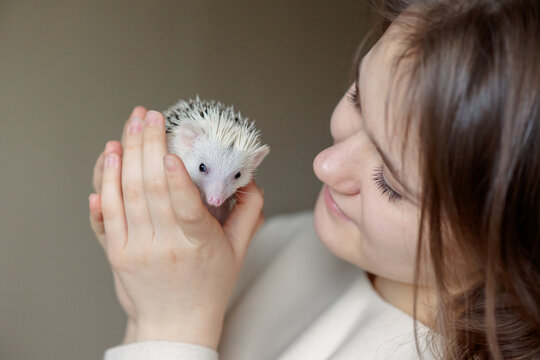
[(337, 234), (326, 226)]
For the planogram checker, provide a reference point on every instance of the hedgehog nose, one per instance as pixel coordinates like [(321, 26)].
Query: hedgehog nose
[(214, 200)]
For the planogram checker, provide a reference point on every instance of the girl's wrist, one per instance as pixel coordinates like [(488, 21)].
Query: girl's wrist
[(207, 336)]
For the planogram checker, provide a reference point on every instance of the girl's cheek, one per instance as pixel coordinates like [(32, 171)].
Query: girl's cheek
[(391, 237)]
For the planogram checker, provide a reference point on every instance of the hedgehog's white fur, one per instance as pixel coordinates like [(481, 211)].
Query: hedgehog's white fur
[(199, 131)]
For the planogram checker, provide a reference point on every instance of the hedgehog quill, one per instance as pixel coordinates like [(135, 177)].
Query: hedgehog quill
[(220, 149)]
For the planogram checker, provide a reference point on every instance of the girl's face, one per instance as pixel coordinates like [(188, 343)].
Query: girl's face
[(367, 212)]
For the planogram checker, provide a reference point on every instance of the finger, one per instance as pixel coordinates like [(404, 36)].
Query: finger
[(139, 111), (111, 146), (112, 204), (137, 215), (98, 173), (155, 183), (96, 219), (188, 208), (245, 218), (260, 222)]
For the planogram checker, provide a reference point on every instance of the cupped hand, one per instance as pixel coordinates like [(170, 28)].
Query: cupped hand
[(175, 264)]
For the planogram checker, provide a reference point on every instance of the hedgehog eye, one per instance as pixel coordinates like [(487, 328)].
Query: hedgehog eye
[(237, 175), (203, 168)]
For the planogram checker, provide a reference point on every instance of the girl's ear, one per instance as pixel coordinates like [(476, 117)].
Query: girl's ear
[(188, 132), (260, 155)]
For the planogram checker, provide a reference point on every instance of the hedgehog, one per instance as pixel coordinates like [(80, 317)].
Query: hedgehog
[(220, 149)]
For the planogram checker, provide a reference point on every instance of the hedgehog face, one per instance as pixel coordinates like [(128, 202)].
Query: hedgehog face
[(218, 171), (219, 154)]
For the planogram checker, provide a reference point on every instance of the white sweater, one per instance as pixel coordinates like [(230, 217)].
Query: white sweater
[(295, 300)]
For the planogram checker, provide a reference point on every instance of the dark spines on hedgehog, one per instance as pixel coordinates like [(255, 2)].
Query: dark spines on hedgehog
[(217, 120)]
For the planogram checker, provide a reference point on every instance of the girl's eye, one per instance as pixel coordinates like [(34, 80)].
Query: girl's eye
[(237, 175), (383, 186), (203, 168)]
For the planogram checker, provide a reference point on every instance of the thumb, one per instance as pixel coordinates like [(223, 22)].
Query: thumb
[(189, 210), (245, 218)]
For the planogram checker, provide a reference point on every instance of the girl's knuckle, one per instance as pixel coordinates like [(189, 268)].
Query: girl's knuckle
[(169, 254), (156, 184), (132, 146), (133, 190)]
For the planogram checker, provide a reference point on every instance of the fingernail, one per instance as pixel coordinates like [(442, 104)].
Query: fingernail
[(152, 118), (112, 160), (170, 164), (135, 126)]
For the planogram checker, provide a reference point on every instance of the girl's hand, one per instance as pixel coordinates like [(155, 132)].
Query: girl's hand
[(173, 260), (96, 222)]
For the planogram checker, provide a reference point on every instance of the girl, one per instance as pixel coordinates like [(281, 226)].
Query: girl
[(428, 218)]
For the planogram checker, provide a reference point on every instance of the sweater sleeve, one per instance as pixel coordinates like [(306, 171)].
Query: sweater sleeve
[(160, 350)]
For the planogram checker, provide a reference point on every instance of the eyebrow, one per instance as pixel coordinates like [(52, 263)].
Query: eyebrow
[(383, 156)]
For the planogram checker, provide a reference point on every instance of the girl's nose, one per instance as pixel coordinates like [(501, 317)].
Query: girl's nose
[(338, 167)]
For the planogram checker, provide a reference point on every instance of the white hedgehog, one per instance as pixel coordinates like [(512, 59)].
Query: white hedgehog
[(219, 148)]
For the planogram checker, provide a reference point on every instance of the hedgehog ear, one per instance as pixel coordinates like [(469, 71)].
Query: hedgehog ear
[(187, 133), (260, 155)]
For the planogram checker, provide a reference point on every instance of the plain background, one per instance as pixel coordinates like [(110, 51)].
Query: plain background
[(70, 74)]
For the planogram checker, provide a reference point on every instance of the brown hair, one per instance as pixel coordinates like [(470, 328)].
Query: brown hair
[(475, 90)]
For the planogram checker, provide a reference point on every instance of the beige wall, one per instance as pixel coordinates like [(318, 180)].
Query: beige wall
[(70, 73)]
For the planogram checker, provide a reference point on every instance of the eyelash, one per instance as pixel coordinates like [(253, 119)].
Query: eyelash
[(352, 97), (383, 186)]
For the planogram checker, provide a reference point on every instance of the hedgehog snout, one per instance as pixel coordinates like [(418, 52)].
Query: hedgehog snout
[(214, 200), (215, 195)]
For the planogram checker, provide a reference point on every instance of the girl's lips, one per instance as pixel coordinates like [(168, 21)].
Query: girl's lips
[(332, 206)]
